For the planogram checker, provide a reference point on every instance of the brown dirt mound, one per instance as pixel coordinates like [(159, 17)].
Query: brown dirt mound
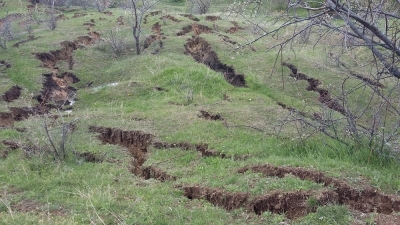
[(76, 15), (217, 197), (208, 116), (13, 93), (196, 28), (135, 141), (30, 38), (367, 200), (324, 96), (212, 18), (190, 16), (202, 52), (170, 18), (201, 148)]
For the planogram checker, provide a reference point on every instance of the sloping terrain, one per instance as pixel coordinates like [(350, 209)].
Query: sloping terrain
[(187, 132)]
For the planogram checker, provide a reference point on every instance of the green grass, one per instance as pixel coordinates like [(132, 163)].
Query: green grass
[(124, 95)]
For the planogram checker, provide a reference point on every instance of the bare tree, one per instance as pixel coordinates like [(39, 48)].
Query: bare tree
[(363, 109), (138, 9)]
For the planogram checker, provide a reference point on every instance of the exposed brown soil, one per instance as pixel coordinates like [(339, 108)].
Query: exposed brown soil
[(12, 94), (159, 89), (217, 197), (367, 200), (213, 18), (196, 28), (61, 17), (296, 204), (291, 109), (90, 157), (76, 15), (57, 87), (324, 96), (235, 28), (201, 148), (202, 52), (120, 21), (108, 13), (30, 206), (89, 24), (208, 116), (293, 204), (190, 16), (155, 13), (227, 39), (11, 146), (158, 36), (137, 143), (150, 14), (4, 65), (30, 38), (152, 172), (7, 119), (170, 18)]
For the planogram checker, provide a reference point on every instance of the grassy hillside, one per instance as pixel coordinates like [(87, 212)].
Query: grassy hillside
[(160, 138)]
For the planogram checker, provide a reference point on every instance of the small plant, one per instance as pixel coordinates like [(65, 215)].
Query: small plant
[(116, 40), (312, 202)]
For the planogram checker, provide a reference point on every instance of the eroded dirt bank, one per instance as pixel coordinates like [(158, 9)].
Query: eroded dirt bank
[(56, 86), (137, 144), (367, 200), (293, 204), (12, 94), (324, 95), (202, 52)]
